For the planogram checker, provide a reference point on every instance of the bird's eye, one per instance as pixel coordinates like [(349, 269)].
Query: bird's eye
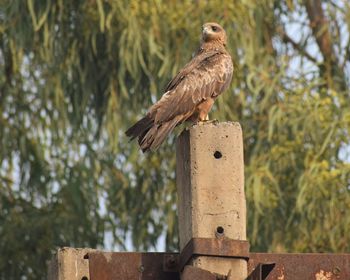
[(214, 28)]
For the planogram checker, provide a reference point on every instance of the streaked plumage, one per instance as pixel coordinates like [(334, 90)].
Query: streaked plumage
[(191, 93)]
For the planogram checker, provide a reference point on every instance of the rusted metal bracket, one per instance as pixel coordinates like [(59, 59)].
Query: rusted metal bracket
[(261, 271), (215, 247)]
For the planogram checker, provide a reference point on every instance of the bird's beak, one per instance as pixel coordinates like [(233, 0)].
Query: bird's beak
[(206, 29)]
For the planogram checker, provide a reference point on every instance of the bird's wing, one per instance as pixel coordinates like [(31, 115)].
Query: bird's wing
[(207, 75)]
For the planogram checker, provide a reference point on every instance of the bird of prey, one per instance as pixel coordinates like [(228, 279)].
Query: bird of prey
[(190, 95)]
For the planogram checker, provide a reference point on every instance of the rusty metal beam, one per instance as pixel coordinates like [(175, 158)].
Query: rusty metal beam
[(162, 266), (261, 271), (304, 266), (129, 266)]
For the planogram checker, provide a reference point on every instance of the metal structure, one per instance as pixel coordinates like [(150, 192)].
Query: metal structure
[(163, 266), (212, 227)]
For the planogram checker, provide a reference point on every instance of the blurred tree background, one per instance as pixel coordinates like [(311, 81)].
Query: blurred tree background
[(75, 74)]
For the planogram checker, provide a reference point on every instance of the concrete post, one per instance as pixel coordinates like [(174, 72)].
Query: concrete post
[(210, 184), (69, 264)]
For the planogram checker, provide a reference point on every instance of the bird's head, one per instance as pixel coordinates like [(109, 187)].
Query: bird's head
[(213, 31)]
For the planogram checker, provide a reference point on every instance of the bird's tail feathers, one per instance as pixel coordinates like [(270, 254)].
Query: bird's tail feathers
[(140, 128), (156, 135)]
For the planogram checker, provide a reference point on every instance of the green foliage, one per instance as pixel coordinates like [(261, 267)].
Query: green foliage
[(75, 74)]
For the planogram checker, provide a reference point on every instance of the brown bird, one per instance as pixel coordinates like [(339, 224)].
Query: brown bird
[(191, 93)]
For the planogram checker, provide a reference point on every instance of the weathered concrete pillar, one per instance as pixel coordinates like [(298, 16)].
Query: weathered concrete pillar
[(210, 183), (70, 264)]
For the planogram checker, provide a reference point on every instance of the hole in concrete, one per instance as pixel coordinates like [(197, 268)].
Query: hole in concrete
[(217, 154), (84, 278), (220, 230), (86, 256)]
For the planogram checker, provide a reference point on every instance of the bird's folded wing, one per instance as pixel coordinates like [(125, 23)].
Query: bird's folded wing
[(205, 76)]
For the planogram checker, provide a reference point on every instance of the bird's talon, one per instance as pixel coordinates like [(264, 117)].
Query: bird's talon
[(215, 121)]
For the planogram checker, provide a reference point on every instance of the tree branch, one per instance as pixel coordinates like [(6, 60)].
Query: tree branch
[(320, 29), (285, 37), (347, 54), (319, 26)]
